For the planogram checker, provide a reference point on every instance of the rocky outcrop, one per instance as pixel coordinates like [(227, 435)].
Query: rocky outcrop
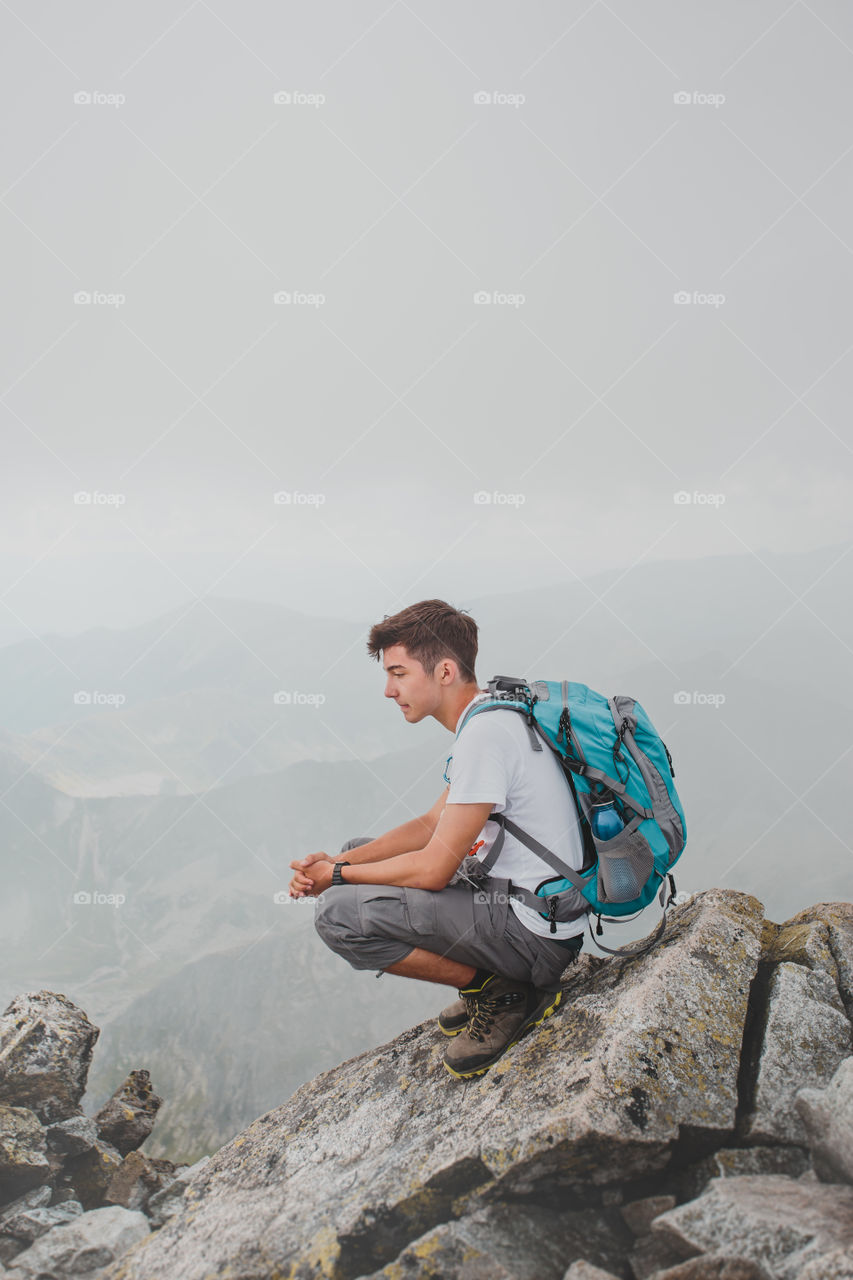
[(128, 1117), (651, 1129), (771, 1220), (82, 1247), (71, 1186), (46, 1046)]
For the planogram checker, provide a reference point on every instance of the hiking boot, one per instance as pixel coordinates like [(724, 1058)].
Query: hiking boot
[(503, 1013), (455, 1017)]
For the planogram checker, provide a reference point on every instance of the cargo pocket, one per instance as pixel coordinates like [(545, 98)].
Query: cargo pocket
[(625, 862), (491, 903), (421, 909)]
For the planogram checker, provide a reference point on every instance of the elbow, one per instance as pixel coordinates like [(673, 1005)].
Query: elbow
[(435, 880)]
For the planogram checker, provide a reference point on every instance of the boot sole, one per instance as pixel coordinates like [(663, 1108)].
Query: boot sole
[(522, 1031)]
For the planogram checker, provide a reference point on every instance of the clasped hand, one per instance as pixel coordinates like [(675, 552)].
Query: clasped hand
[(313, 876)]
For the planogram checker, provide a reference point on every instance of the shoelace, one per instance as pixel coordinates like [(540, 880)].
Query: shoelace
[(485, 1008)]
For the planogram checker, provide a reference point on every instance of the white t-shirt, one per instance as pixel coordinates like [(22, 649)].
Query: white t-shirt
[(493, 759)]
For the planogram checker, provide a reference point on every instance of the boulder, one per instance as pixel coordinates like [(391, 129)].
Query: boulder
[(586, 1271), (529, 1242), (645, 1050), (164, 1203), (639, 1215), (836, 1265), (91, 1173), (73, 1136), (731, 1162), (137, 1178), (19, 1231), (837, 919), (769, 1219), (827, 1117), (807, 1034), (46, 1045), (651, 1255), (37, 1198), (83, 1246), (126, 1120), (714, 1266), (23, 1162)]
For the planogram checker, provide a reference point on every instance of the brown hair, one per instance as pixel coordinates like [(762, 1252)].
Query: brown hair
[(430, 630)]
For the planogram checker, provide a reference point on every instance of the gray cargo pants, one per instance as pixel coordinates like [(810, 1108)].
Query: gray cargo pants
[(374, 926)]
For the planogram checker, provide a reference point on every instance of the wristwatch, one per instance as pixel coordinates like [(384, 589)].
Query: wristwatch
[(337, 878)]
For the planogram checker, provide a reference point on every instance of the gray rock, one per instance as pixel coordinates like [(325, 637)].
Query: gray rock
[(807, 1035), (27, 1226), (836, 1265), (521, 1241), (769, 1219), (837, 918), (73, 1136), (37, 1198), (586, 1271), (714, 1266), (23, 1162), (46, 1045), (126, 1120), (827, 1117), (166, 1202), (652, 1254), (137, 1179), (91, 1173), (640, 1214), (382, 1149), (83, 1246), (731, 1162)]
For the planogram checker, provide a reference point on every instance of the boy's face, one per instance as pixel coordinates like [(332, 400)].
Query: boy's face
[(416, 693)]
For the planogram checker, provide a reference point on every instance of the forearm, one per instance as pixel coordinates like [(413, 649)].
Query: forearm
[(403, 839), (410, 870)]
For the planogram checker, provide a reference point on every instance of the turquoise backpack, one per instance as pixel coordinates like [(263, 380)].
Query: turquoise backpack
[(610, 751)]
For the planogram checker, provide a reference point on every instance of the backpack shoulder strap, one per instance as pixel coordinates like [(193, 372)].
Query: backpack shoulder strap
[(555, 863), (505, 706)]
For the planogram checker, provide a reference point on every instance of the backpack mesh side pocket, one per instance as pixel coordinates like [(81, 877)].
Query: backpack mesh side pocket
[(625, 863)]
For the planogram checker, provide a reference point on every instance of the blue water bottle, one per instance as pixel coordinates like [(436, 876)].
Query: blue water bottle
[(605, 821)]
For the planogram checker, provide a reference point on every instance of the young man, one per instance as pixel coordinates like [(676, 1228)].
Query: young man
[(405, 903)]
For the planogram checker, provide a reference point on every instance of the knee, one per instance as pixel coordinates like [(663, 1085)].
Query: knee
[(355, 842), (336, 914)]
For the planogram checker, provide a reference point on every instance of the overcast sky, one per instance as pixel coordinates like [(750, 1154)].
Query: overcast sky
[(579, 164)]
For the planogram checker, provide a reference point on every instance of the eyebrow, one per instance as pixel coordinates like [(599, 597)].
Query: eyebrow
[(395, 666)]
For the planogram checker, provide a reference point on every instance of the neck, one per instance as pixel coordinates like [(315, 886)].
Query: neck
[(456, 704)]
